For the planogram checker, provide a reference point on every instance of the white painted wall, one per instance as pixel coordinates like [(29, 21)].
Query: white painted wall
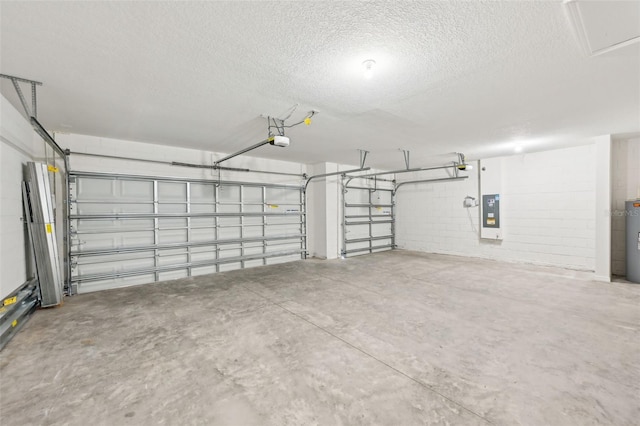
[(322, 204), (548, 211), (603, 208), (18, 145), (625, 160)]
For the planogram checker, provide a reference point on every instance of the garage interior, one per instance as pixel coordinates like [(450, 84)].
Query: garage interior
[(320, 213)]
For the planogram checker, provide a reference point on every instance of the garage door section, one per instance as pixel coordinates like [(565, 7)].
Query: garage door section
[(368, 216), (127, 230)]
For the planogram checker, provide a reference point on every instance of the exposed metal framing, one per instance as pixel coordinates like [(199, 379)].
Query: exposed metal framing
[(268, 242), (179, 164), (32, 115), (96, 175), (242, 151), (33, 111), (399, 184), (16, 309), (303, 194), (370, 219), (39, 216)]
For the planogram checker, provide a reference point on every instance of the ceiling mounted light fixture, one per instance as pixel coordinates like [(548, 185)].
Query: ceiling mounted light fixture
[(368, 66)]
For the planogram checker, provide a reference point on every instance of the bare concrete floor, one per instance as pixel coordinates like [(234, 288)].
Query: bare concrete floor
[(395, 338)]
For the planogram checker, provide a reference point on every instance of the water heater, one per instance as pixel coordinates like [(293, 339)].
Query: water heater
[(633, 241)]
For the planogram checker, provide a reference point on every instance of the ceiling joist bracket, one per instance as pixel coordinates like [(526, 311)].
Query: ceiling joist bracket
[(33, 111)]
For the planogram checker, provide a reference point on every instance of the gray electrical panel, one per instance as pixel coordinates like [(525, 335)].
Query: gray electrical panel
[(491, 211), (633, 241)]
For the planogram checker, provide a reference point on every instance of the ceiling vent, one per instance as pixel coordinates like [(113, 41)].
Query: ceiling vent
[(604, 26)]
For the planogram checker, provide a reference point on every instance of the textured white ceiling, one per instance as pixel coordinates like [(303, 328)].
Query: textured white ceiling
[(475, 77)]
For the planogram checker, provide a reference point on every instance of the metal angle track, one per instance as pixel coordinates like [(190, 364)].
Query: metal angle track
[(368, 205), (369, 249), (180, 164), (118, 176), (16, 309), (368, 222), (363, 240)]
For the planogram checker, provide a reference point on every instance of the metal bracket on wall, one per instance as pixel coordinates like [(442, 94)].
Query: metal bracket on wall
[(16, 308), (33, 111), (406, 158)]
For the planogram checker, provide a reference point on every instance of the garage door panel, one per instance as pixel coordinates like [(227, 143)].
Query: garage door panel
[(172, 208), (134, 190), (202, 235), (251, 208), (229, 194), (203, 256), (251, 232), (110, 265), (229, 251), (169, 223), (253, 220), (229, 208), (281, 259), (378, 229), (381, 197), (230, 266), (110, 241), (97, 189), (281, 195), (203, 270), (355, 196), (367, 219), (204, 222), (229, 233), (107, 284), (172, 275), (172, 191), (112, 207), (252, 195), (203, 208), (202, 192), (165, 259), (252, 263), (170, 236), (115, 225), (114, 240)]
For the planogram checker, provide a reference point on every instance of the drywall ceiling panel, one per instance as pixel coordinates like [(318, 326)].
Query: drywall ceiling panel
[(605, 25), (450, 76)]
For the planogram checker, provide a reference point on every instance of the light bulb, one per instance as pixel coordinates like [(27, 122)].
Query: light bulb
[(368, 68)]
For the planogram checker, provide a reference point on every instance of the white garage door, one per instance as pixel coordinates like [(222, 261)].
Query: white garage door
[(368, 218), (127, 230)]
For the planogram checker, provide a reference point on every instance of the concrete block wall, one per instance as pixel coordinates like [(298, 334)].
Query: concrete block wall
[(625, 158), (547, 211)]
